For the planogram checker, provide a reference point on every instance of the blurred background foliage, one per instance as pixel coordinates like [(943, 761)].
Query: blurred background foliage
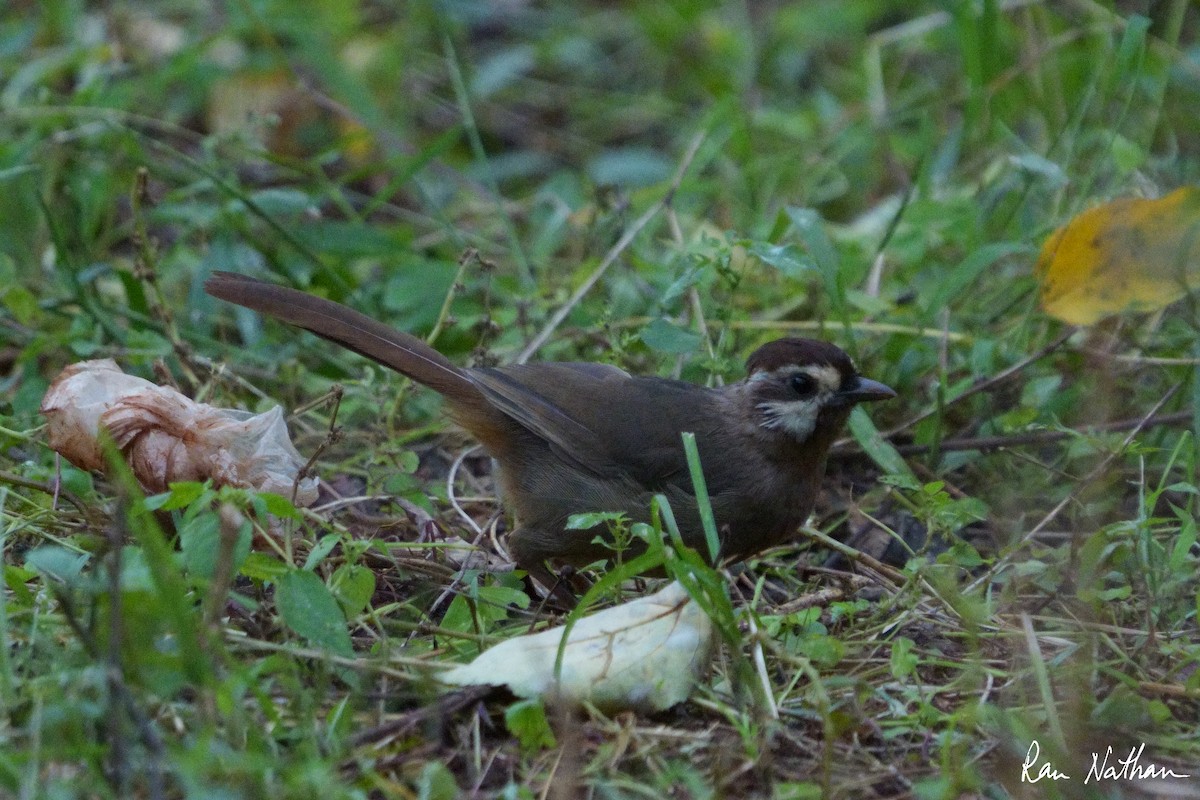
[(878, 173)]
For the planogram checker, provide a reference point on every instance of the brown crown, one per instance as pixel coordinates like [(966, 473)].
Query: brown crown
[(794, 350)]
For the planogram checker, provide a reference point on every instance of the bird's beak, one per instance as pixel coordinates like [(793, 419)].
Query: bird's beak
[(863, 390)]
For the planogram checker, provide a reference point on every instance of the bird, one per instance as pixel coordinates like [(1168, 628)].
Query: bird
[(573, 437)]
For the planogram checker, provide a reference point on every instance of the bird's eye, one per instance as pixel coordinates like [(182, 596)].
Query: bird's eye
[(803, 384)]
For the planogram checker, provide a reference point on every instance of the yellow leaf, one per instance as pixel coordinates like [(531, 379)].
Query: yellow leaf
[(250, 102), (275, 112), (1127, 255)]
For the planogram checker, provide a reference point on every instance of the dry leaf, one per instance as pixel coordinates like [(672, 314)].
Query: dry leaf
[(276, 112), (645, 654), (1126, 255), (267, 106), (167, 437)]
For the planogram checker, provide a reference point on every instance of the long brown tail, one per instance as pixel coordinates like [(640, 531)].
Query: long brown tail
[(402, 352)]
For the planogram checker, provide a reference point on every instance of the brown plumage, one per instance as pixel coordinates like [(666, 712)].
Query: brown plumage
[(575, 437)]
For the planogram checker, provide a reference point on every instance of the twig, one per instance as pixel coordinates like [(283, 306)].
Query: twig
[(456, 286), (982, 384), (145, 270), (1002, 441), (238, 640), (822, 597), (119, 690), (219, 371), (460, 573), (349, 503), (444, 708), (337, 390), (615, 252), (760, 667), (1037, 662), (118, 755), (1083, 483), (463, 97), (885, 572), (452, 496), (55, 490), (332, 436), (757, 657), (816, 326), (1168, 690), (230, 524)]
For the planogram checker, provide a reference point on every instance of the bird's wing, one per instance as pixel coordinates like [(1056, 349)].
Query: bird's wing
[(612, 424), (533, 410)]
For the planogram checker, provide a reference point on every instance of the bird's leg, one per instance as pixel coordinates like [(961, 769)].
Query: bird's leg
[(558, 586), (531, 554)]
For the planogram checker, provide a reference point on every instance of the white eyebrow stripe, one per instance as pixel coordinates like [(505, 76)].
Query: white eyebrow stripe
[(826, 376), (772, 374)]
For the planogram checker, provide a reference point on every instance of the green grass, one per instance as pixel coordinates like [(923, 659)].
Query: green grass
[(662, 186)]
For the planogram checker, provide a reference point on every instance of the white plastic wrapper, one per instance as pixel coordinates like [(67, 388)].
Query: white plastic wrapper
[(645, 655), (166, 437)]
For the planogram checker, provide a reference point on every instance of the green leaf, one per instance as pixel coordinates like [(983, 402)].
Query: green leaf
[(904, 661), (880, 451), (501, 70), (963, 274), (174, 604), (278, 505), (15, 579), (310, 610), (824, 650), (798, 791), (1055, 175), (1118, 593), (353, 585), (504, 596), (526, 720), (401, 483), (1180, 553), (583, 522), (179, 495), (263, 567), (323, 547), (135, 572), (277, 202), (57, 562), (436, 782), (408, 461), (77, 480), (147, 344), (963, 554), (667, 337), (490, 606), (629, 167), (458, 616), (20, 302), (787, 258), (345, 239), (700, 488), (1132, 49), (135, 292), (810, 227), (690, 277), (199, 544), (1127, 155)]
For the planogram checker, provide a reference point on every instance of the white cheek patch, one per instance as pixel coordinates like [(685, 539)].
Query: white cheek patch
[(797, 417)]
